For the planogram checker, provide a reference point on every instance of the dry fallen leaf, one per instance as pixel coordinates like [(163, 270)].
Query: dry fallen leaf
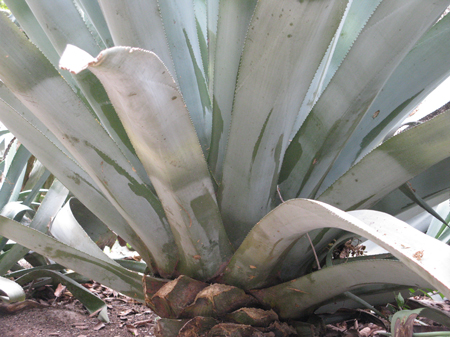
[(132, 329), (99, 326), (59, 290), (127, 312), (143, 323), (95, 312)]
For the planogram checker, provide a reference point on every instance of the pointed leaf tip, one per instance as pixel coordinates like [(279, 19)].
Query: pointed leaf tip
[(75, 59)]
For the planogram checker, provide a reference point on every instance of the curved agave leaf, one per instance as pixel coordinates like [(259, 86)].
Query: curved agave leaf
[(140, 24), (10, 291), (37, 186), (280, 57), (374, 294), (181, 33), (269, 240), (94, 19), (11, 102), (391, 164), (18, 273), (110, 274), (432, 185), (437, 229), (66, 228), (352, 91), (49, 208), (298, 298), (165, 140), (212, 9), (353, 20), (403, 320), (28, 22), (63, 25), (41, 89), (70, 174), (300, 259), (14, 174), (87, 298), (201, 22), (415, 77), (409, 191), (232, 28), (15, 210)]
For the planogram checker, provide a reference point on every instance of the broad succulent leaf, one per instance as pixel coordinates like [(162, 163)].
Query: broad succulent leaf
[(181, 31), (66, 228), (341, 107), (64, 25), (405, 156), (30, 24), (47, 95), (10, 291), (297, 298), (95, 20), (69, 173), (281, 98), (52, 203), (111, 275), (232, 27), (14, 174), (170, 152), (272, 80), (415, 77), (432, 185), (353, 21), (266, 244)]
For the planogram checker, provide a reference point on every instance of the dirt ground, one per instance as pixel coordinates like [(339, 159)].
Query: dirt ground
[(66, 316), (62, 315)]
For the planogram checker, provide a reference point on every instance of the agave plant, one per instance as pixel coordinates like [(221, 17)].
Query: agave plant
[(185, 125)]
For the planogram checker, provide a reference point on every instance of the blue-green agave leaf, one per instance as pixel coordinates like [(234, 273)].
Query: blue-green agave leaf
[(51, 205), (391, 164), (281, 54), (351, 92), (165, 140), (269, 240), (297, 298), (10, 291), (110, 274), (63, 25), (70, 174), (38, 85), (232, 26), (415, 77)]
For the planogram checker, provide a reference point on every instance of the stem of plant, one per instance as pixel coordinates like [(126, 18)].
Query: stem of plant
[(307, 235)]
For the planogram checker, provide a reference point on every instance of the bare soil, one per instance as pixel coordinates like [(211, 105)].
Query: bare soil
[(63, 315), (66, 316)]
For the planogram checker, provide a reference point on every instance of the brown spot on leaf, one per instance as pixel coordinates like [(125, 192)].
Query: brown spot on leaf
[(418, 255)]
